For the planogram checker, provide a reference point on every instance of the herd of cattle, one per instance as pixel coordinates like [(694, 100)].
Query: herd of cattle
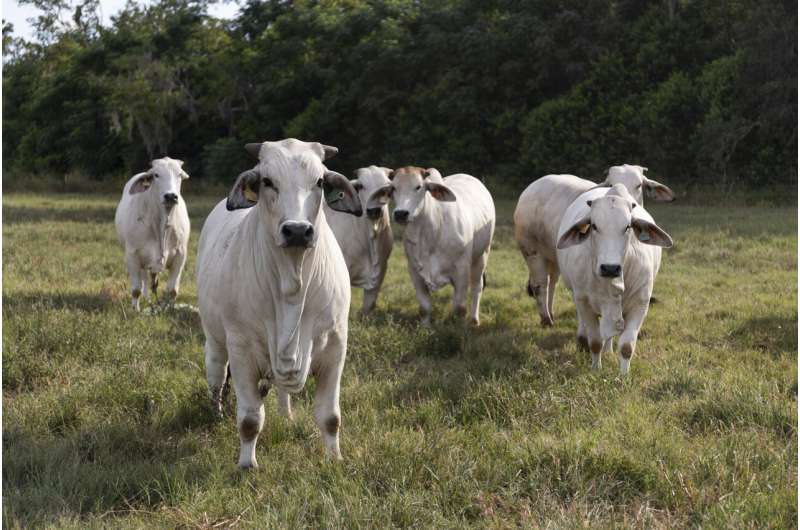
[(277, 258)]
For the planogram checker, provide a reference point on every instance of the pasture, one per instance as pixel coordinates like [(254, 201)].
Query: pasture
[(105, 417)]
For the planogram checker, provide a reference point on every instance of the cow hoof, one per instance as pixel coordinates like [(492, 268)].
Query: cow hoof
[(597, 362), (547, 321)]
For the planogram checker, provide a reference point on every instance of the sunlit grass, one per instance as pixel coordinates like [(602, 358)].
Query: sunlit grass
[(105, 419)]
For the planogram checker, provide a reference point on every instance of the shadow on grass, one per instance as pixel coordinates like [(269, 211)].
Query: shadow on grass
[(86, 214), (72, 301), (136, 463), (467, 370), (774, 335)]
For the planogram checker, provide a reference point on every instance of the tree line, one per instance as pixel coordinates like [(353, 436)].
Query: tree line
[(701, 92)]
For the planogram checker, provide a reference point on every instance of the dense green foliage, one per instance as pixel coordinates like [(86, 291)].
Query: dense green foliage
[(702, 92), (106, 423)]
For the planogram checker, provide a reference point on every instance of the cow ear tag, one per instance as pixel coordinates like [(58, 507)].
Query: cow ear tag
[(584, 229), (644, 236), (332, 194)]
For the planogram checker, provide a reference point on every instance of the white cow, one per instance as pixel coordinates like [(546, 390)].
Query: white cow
[(538, 215), (153, 227), (366, 242), (448, 236), (632, 177), (536, 221), (273, 288), (609, 252)]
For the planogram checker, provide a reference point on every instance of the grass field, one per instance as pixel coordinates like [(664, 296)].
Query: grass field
[(105, 420)]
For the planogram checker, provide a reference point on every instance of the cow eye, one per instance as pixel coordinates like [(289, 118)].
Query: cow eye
[(594, 227), (639, 186), (627, 228), (267, 183), (319, 183), (418, 187)]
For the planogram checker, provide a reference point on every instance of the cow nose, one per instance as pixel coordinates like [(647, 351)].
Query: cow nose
[(297, 234), (610, 271), (373, 213), (171, 198), (401, 216)]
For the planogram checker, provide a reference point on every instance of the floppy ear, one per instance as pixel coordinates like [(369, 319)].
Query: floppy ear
[(380, 197), (657, 191), (244, 193), (650, 234), (340, 194), (576, 235), (440, 192), (142, 183), (184, 175), (253, 149)]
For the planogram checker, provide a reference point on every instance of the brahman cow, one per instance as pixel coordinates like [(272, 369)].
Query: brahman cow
[(366, 242), (632, 177), (153, 227), (538, 215), (449, 227), (273, 288), (609, 253)]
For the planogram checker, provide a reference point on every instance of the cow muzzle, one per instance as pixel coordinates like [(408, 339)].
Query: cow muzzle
[(610, 271), (401, 216), (170, 199), (297, 234)]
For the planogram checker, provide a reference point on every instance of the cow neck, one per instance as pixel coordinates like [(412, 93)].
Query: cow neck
[(161, 220), (424, 231), (369, 237), (284, 270)]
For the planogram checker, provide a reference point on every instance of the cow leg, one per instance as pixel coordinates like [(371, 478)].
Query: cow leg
[(552, 280), (423, 296), (135, 273), (461, 281), (371, 295), (476, 286), (537, 285), (627, 340), (249, 405), (175, 271), (590, 325), (285, 404), (216, 374), (326, 399), (154, 285)]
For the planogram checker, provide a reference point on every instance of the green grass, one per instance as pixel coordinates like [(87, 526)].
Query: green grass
[(105, 420)]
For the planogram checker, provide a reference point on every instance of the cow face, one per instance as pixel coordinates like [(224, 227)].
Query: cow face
[(410, 186), (368, 181), (608, 229), (289, 184), (163, 179), (632, 177)]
